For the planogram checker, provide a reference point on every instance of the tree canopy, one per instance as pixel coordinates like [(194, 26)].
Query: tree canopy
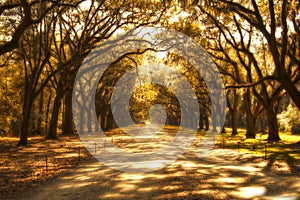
[(255, 45)]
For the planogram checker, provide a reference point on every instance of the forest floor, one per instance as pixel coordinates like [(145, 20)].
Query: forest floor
[(72, 173)]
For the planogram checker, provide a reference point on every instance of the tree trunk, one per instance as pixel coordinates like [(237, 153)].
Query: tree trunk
[(48, 110), (206, 119), (272, 125), (234, 122), (89, 120), (82, 120), (41, 106), (25, 125), (96, 125), (54, 118), (234, 114), (201, 121), (109, 120), (223, 130), (68, 115), (262, 124), (251, 119), (27, 105), (214, 123)]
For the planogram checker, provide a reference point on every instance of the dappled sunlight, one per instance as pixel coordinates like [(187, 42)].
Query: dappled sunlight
[(189, 165), (148, 189), (140, 176), (189, 176), (248, 169), (283, 197), (170, 188), (117, 196), (82, 178), (69, 155), (177, 195), (204, 165), (202, 171), (90, 168), (126, 176), (150, 164), (125, 187), (74, 186), (250, 191), (159, 99), (229, 180)]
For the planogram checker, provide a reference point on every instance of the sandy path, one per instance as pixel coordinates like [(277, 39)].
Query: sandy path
[(224, 174)]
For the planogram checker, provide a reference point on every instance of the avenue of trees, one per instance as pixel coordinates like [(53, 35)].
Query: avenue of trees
[(255, 45)]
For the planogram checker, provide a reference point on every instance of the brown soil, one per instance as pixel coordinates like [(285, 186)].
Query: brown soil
[(223, 174)]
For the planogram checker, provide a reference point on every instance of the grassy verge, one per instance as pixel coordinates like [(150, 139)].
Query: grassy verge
[(287, 149)]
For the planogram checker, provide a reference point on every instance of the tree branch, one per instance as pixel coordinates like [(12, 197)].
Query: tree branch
[(251, 84)]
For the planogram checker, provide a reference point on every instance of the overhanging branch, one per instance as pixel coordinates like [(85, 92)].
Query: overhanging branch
[(251, 84)]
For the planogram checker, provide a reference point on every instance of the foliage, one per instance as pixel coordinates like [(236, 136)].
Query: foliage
[(255, 44), (287, 149), (289, 120), (10, 97)]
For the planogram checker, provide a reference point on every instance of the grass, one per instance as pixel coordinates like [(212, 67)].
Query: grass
[(286, 149)]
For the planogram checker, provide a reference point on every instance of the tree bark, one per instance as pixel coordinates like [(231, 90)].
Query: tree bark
[(251, 119), (234, 122), (201, 118), (214, 123), (54, 118), (48, 110), (262, 124), (110, 124), (251, 122), (89, 121), (68, 115), (27, 105), (41, 108), (223, 130), (233, 112), (206, 119), (272, 124)]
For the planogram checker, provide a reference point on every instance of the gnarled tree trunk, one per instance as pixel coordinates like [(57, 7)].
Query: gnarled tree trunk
[(250, 117), (54, 118), (272, 124)]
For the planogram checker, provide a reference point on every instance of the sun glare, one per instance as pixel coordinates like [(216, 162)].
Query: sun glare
[(161, 55)]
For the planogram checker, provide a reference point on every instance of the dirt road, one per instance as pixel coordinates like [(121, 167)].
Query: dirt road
[(224, 174)]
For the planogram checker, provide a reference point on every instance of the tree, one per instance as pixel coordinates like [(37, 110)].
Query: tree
[(250, 56), (11, 87), (83, 28), (21, 15), (35, 52), (271, 19)]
